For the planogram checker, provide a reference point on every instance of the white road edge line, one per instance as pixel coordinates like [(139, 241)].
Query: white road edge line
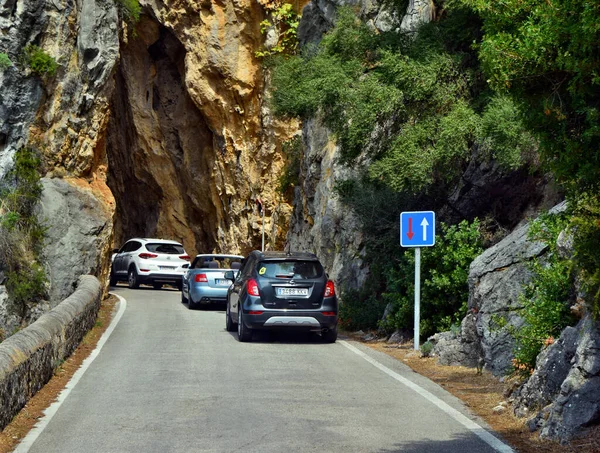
[(479, 431), (32, 436)]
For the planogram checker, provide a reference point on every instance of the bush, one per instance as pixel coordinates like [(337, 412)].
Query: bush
[(4, 61), (39, 61), (360, 310), (131, 10), (546, 299), (285, 21), (21, 235), (426, 349)]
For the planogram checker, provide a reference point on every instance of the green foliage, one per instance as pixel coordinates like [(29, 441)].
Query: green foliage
[(360, 309), (426, 349), (413, 106), (26, 285), (4, 61), (545, 54), (444, 272), (21, 235), (131, 10), (293, 152), (284, 21), (39, 61), (546, 299), (585, 226)]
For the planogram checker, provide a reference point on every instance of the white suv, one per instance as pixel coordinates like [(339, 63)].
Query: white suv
[(150, 261)]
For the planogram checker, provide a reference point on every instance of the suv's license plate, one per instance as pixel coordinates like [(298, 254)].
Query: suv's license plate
[(166, 268), (222, 282), (292, 291)]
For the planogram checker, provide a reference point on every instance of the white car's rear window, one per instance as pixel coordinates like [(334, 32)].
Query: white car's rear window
[(169, 249)]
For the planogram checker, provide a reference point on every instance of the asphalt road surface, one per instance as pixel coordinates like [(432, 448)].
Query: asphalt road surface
[(173, 380)]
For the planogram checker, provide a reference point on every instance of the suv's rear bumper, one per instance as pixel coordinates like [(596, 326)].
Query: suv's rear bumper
[(295, 319), (160, 278)]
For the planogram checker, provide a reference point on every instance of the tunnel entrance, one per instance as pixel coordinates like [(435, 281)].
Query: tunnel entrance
[(159, 148)]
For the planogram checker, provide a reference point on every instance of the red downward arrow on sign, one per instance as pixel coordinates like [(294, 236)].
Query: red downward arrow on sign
[(410, 233)]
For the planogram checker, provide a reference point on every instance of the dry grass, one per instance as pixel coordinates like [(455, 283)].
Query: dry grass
[(34, 409), (481, 393)]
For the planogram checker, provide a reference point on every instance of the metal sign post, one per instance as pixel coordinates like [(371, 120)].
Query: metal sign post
[(417, 297), (417, 229)]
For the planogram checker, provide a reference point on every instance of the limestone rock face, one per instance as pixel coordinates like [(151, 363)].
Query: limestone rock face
[(191, 142), (320, 224), (78, 235), (418, 12), (563, 394), (64, 117)]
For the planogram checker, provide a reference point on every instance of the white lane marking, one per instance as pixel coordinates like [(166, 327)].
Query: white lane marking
[(483, 434), (32, 436)]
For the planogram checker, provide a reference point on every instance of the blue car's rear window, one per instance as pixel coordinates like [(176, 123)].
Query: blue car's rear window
[(290, 269)]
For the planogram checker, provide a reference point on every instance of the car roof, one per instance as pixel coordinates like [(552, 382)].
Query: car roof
[(285, 256), (158, 241), (218, 255)]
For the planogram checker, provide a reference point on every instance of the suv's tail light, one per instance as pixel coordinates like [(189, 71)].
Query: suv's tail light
[(253, 288), (146, 256), (184, 257), (201, 278), (329, 289)]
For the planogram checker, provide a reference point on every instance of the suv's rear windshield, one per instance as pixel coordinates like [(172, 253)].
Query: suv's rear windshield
[(169, 249), (290, 269)]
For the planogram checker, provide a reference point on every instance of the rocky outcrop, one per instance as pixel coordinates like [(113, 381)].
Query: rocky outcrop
[(418, 12), (191, 141), (563, 394), (64, 117), (462, 349), (78, 235), (28, 358), (496, 280), (320, 224)]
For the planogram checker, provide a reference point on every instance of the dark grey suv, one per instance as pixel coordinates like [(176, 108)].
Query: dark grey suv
[(277, 290)]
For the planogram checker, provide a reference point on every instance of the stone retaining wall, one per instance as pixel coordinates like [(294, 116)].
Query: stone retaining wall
[(28, 358)]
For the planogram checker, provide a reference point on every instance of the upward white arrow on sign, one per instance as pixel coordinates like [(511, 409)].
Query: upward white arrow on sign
[(424, 224)]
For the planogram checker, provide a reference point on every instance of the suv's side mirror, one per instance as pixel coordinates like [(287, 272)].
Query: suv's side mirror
[(115, 251), (229, 275)]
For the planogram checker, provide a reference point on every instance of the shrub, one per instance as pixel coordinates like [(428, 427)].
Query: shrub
[(131, 10), (360, 309), (21, 235), (546, 299), (284, 20), (39, 61), (4, 61), (426, 349)]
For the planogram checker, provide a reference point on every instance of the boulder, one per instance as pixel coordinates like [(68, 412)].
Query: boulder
[(463, 349), (496, 281), (78, 236), (552, 367), (577, 405)]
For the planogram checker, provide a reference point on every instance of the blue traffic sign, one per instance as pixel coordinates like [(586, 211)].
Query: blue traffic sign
[(417, 229)]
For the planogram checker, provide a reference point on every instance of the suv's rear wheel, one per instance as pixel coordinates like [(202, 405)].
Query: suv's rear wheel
[(244, 333), (329, 336), (229, 325), (132, 279)]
